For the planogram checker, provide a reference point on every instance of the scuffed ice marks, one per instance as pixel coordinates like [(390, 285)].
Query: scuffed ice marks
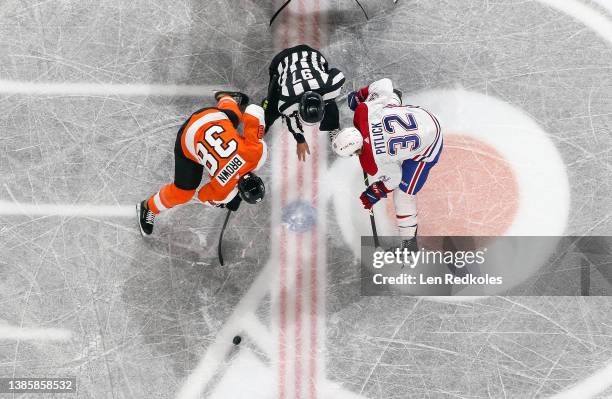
[(494, 348), (88, 41), (141, 313)]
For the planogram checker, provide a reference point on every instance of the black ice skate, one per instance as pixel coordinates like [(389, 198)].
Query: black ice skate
[(411, 244), (241, 98), (146, 218)]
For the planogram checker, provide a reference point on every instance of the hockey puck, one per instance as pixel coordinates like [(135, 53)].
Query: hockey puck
[(237, 339)]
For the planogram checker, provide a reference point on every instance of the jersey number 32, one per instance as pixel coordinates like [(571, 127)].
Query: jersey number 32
[(408, 142)]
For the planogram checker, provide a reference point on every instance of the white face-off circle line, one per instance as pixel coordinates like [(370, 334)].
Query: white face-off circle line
[(544, 191)]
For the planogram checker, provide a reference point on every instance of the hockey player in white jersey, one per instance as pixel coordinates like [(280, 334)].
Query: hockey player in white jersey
[(397, 145)]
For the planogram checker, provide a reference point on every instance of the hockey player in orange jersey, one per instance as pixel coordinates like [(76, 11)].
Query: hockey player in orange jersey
[(209, 141)]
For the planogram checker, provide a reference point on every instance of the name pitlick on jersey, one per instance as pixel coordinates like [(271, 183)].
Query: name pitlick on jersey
[(230, 169), (379, 138)]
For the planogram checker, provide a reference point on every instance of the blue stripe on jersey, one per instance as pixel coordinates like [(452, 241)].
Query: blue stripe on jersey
[(409, 170)]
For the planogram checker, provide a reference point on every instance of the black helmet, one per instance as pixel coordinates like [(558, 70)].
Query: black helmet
[(312, 107), (251, 188)]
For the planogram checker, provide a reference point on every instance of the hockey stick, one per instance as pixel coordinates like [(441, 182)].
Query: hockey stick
[(219, 250), (362, 9), (372, 220), (279, 11)]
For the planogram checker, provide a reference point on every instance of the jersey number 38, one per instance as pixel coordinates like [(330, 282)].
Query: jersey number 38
[(219, 149)]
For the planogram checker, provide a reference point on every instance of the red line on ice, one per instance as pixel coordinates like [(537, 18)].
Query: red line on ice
[(315, 238), (298, 278), (314, 36), (283, 261)]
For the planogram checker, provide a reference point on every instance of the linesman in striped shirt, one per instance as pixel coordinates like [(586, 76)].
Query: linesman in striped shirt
[(302, 92)]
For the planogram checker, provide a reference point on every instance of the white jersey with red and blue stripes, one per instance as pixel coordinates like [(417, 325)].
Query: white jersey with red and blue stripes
[(395, 133), (401, 132)]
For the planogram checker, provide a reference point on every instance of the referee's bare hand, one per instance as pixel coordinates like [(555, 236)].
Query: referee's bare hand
[(302, 150)]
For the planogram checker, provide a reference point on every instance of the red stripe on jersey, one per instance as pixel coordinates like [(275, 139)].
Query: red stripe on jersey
[(429, 150), (415, 178)]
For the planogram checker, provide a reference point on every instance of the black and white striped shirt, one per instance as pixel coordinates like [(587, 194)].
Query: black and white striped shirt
[(301, 69)]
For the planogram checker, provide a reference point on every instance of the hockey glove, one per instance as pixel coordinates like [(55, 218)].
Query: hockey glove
[(353, 100), (234, 204), (373, 194)]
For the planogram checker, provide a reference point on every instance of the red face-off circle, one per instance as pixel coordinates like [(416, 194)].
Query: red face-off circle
[(471, 191)]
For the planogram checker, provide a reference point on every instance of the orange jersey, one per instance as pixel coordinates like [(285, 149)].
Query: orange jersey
[(210, 139)]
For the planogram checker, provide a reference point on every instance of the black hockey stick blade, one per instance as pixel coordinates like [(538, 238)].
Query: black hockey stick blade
[(372, 220), (219, 247), (374, 233), (362, 9), (279, 11)]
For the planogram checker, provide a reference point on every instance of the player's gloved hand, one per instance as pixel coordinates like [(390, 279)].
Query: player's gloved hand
[(373, 194), (234, 204), (353, 100)]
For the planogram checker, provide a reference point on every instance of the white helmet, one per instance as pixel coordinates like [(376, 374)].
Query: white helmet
[(347, 142)]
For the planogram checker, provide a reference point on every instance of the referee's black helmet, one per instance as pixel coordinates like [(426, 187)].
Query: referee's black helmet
[(312, 108)]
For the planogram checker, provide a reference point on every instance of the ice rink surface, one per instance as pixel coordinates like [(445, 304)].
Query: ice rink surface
[(90, 102)]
